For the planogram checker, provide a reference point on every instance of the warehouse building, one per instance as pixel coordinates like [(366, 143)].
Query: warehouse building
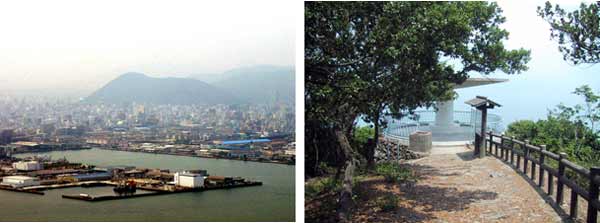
[(27, 166), (86, 177), (20, 181), (188, 179)]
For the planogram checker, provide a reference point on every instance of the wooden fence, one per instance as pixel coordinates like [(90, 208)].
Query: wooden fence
[(511, 150)]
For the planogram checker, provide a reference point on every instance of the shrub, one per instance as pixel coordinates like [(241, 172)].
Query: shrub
[(393, 172), (321, 186)]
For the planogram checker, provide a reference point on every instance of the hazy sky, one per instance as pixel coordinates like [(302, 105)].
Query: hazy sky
[(81, 45)]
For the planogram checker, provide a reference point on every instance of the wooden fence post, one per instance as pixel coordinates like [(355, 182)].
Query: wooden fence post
[(525, 156), (512, 150), (496, 151), (519, 157), (502, 147), (505, 149), (541, 183), (550, 184), (592, 212), (532, 167), (561, 173), (573, 209), (491, 140)]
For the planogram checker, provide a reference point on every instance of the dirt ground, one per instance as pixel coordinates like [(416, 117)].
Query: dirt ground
[(452, 187)]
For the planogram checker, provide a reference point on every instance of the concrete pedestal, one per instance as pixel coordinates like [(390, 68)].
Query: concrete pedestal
[(420, 141)]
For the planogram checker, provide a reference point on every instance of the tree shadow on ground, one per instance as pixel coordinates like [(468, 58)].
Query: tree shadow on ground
[(321, 208), (416, 202), (466, 156)]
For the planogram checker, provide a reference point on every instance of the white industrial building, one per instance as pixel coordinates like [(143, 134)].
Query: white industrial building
[(187, 179), (20, 181), (27, 166)]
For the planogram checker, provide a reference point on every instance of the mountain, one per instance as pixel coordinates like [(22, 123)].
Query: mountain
[(260, 84), (209, 78), (137, 87)]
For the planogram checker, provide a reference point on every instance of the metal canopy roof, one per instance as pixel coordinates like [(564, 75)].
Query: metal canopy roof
[(474, 81), (480, 101)]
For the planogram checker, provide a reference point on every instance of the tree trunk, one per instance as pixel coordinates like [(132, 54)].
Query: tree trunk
[(373, 145), (345, 199)]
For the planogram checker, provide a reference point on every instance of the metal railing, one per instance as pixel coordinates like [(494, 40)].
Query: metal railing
[(402, 128)]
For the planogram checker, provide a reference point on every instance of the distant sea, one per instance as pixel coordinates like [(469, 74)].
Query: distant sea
[(529, 96)]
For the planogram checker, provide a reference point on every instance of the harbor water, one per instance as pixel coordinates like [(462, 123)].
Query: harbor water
[(273, 201)]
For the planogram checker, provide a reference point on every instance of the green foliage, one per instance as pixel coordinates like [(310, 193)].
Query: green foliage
[(378, 55), (364, 58), (577, 32), (566, 129), (523, 129), (362, 135), (394, 173), (320, 186)]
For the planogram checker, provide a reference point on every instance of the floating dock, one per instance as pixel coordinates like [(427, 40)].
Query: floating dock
[(31, 191), (110, 197), (77, 184), (86, 197)]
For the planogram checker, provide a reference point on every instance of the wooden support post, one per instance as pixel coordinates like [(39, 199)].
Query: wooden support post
[(502, 143), (592, 212), (532, 167), (477, 144), (505, 149), (512, 150), (491, 138), (542, 157), (550, 184), (573, 207), (483, 123), (519, 158), (496, 151), (525, 157), (561, 173)]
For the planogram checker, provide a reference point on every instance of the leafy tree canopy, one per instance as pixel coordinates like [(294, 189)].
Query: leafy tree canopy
[(577, 32), (364, 58), (402, 54)]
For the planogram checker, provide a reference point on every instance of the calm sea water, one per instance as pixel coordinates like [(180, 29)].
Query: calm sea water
[(273, 201)]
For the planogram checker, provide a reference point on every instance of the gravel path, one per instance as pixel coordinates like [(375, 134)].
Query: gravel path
[(455, 187)]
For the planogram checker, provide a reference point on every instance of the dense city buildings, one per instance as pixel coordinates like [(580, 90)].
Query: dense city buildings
[(242, 131)]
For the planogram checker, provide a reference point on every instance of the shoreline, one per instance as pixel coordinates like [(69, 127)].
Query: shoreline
[(208, 157), (172, 154)]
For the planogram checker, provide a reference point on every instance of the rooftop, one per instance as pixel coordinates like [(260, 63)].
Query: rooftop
[(244, 141), (478, 81), (19, 177)]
